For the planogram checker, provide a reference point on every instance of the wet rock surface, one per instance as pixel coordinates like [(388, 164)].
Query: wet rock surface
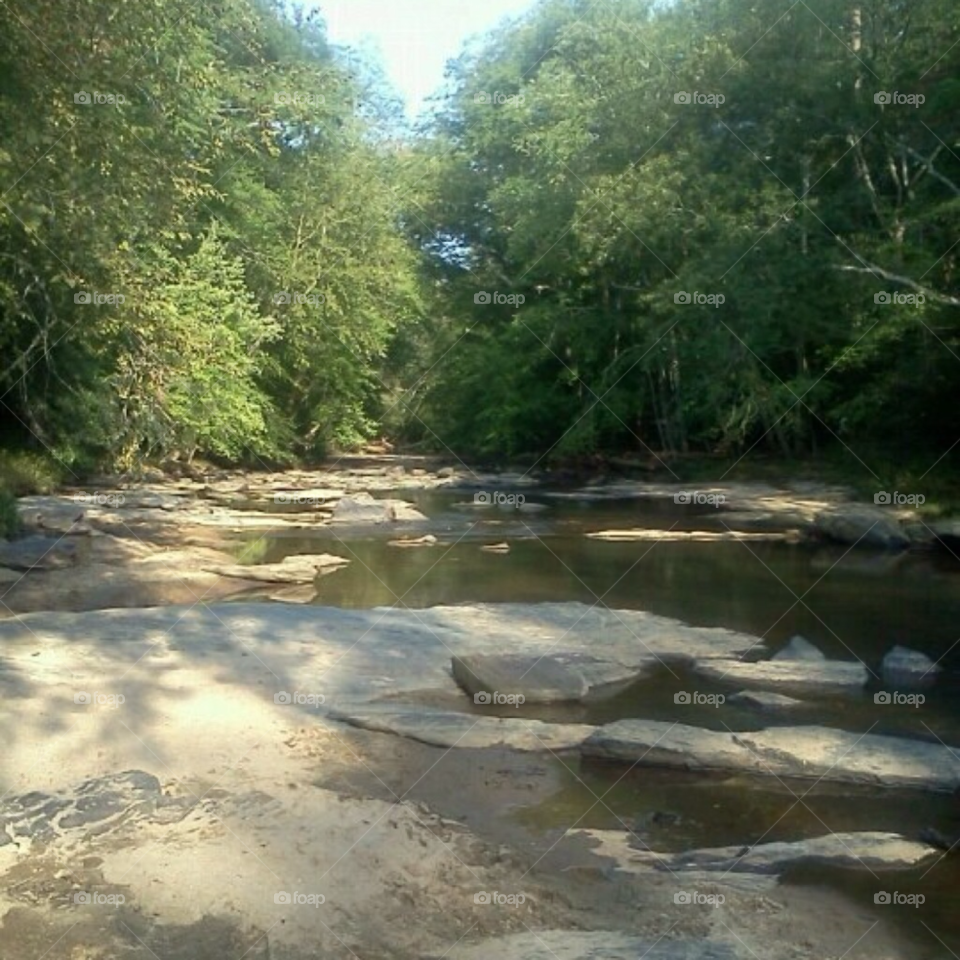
[(802, 752), (789, 676)]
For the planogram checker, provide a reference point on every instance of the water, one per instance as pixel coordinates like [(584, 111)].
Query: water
[(851, 604)]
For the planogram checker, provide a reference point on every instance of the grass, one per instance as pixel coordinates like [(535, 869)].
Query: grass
[(22, 472)]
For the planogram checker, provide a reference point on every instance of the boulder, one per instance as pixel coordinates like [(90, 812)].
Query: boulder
[(799, 648), (788, 676), (947, 533), (861, 525), (762, 700), (363, 508), (903, 667), (803, 752)]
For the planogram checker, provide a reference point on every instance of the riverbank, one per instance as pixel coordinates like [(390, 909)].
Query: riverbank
[(202, 759)]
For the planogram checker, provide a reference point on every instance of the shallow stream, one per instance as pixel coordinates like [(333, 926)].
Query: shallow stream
[(850, 603)]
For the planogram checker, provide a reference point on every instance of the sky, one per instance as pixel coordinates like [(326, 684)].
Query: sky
[(414, 38)]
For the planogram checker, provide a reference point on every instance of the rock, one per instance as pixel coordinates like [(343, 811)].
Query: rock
[(789, 676), (496, 548), (862, 525), (804, 752), (38, 553), (903, 667), (300, 594), (310, 496), (596, 945), (465, 730), (700, 536), (538, 679), (363, 508), (445, 473), (947, 533), (762, 700), (380, 653), (799, 648), (873, 851), (919, 534), (302, 568), (428, 541), (134, 575)]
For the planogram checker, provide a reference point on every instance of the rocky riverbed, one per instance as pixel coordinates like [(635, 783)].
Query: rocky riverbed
[(184, 777)]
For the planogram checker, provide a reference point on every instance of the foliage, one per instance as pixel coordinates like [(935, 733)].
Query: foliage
[(587, 188), (183, 165)]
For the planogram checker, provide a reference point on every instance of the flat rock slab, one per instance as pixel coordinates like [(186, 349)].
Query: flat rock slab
[(873, 851), (38, 553), (537, 679), (544, 679), (303, 568), (790, 676), (594, 945), (353, 656), (469, 730), (804, 752), (764, 700), (700, 536)]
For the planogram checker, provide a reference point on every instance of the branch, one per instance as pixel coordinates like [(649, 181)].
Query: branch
[(906, 281), (928, 166)]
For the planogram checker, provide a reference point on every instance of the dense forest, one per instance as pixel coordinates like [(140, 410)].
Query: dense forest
[(712, 226)]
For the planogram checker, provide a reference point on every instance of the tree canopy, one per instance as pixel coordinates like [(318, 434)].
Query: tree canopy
[(707, 225)]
